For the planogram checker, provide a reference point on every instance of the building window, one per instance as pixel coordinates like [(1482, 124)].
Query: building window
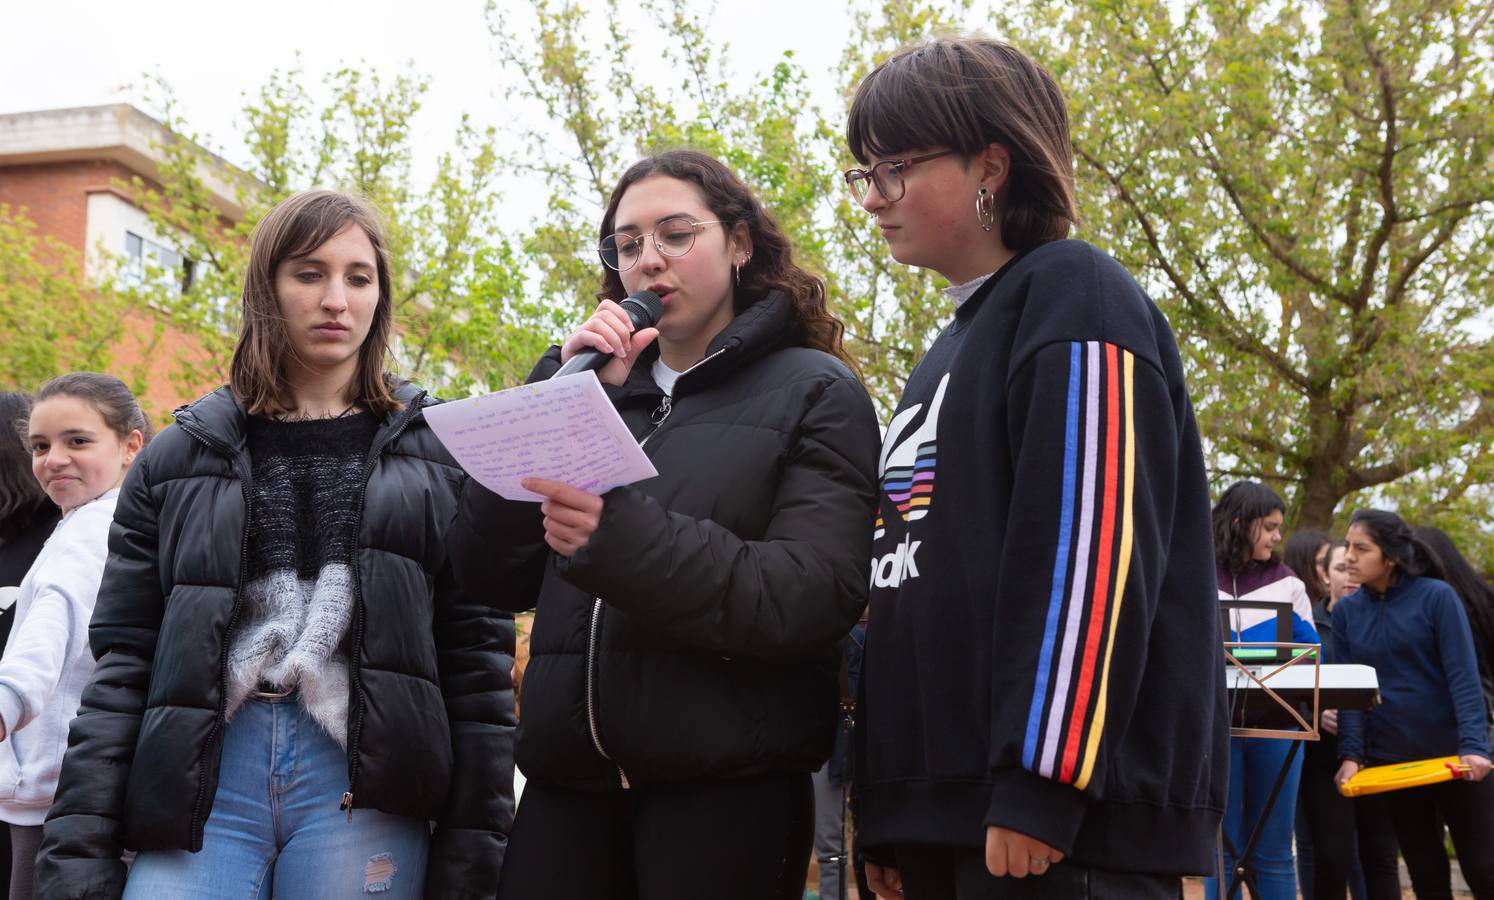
[(143, 255)]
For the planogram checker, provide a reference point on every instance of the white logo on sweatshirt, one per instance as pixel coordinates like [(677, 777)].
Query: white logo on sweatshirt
[(891, 569), (908, 461), (906, 472)]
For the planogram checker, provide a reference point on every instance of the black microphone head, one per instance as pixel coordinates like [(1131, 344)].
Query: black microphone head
[(644, 308)]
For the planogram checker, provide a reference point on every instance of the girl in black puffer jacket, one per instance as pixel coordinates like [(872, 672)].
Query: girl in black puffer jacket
[(301, 666), (683, 682)]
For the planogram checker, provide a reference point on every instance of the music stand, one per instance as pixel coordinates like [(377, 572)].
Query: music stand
[(1279, 655)]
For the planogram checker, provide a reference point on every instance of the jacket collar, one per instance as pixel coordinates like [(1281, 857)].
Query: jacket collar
[(1399, 582), (222, 419), (1255, 575), (763, 326)]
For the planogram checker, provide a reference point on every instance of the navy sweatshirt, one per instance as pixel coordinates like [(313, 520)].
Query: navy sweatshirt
[(1416, 636), (1043, 649)]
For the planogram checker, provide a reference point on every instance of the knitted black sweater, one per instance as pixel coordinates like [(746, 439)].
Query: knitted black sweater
[(302, 548)]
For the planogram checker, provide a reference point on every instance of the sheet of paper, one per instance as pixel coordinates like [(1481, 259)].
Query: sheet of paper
[(563, 429)]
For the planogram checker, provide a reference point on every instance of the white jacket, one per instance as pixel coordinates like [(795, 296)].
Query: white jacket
[(48, 661)]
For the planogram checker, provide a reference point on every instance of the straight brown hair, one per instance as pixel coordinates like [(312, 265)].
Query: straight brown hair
[(771, 266), (966, 93), (295, 227)]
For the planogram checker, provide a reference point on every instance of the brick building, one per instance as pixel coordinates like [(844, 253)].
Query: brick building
[(67, 170)]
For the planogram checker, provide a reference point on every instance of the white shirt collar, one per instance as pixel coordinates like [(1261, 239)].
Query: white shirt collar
[(959, 293)]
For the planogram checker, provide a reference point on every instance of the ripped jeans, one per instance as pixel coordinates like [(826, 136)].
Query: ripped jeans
[(276, 829)]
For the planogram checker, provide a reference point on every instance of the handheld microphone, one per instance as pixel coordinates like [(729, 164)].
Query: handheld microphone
[(643, 309)]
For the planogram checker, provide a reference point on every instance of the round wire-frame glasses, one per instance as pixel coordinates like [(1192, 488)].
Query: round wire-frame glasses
[(673, 237)]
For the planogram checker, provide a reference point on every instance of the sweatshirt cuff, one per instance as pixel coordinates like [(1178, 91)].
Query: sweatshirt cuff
[(1474, 747), (11, 709), (1037, 807), (610, 547)]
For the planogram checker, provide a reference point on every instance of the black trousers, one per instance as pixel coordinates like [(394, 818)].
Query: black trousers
[(1330, 822), (1414, 817), (733, 840), (959, 873)]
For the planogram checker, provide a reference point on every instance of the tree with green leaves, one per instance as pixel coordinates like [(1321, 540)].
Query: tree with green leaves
[(52, 321), (1306, 188), (593, 114), (464, 321)]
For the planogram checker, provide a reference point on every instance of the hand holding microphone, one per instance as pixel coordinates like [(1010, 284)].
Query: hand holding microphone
[(609, 343), (612, 338)]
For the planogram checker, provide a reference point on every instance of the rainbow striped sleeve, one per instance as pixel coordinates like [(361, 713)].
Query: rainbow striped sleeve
[(1066, 715)]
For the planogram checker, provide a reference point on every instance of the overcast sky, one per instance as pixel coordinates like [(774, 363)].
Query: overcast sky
[(65, 53)]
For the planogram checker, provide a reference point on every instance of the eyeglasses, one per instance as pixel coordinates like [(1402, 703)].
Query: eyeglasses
[(673, 236), (887, 175)]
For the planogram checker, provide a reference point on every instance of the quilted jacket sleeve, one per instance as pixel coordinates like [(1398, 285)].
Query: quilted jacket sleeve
[(797, 590)]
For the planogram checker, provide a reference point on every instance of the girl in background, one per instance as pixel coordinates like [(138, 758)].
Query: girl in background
[(27, 514), (1327, 853), (27, 517), (1336, 568), (83, 433), (1478, 601), (1247, 529), (1411, 627), (1306, 554)]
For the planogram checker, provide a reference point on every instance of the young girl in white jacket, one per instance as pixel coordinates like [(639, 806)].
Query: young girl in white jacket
[(83, 432)]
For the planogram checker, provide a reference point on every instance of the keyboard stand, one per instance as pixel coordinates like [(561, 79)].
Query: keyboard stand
[(1243, 873)]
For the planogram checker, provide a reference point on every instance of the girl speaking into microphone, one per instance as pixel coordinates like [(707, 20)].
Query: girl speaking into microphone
[(683, 682)]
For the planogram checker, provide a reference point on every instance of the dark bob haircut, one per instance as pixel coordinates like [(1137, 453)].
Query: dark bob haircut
[(966, 93)]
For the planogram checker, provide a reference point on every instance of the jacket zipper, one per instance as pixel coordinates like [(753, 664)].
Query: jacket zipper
[(355, 731), (594, 634), (245, 478), (1234, 584)]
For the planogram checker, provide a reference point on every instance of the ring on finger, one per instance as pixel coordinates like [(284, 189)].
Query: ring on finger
[(1034, 863)]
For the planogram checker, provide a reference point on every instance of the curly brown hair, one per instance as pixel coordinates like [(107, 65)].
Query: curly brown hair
[(771, 266)]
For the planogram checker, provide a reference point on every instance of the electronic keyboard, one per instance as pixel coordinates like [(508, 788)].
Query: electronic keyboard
[(1340, 686)]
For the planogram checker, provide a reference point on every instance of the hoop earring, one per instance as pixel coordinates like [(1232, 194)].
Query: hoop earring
[(738, 270), (985, 209)]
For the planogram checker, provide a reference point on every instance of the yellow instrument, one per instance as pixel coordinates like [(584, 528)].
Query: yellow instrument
[(1396, 776)]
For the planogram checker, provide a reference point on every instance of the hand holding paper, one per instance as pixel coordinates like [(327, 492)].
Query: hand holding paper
[(564, 429), (571, 515)]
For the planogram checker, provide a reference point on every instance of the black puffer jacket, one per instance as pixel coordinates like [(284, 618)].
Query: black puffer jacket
[(726, 583), (430, 712)]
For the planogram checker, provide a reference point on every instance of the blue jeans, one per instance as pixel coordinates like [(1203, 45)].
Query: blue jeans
[(276, 829), (1253, 766)]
